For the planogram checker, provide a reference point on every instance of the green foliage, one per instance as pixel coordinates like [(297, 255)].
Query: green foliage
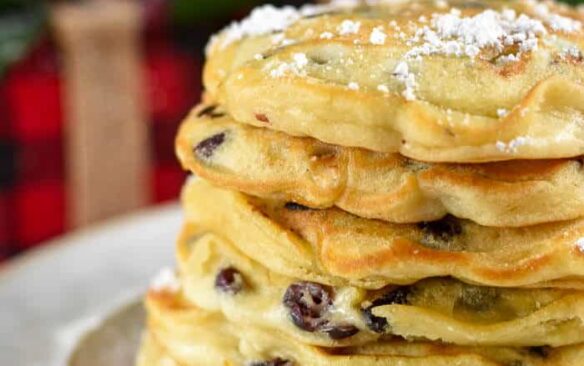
[(19, 26), (189, 12), (193, 11)]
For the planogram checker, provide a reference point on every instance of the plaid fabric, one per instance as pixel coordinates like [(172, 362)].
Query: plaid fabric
[(32, 170), (172, 83), (6, 176), (171, 77), (4, 224), (7, 166), (38, 211), (33, 153)]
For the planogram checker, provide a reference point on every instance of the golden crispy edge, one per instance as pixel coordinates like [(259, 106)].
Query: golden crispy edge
[(557, 320), (181, 321), (345, 253), (511, 194)]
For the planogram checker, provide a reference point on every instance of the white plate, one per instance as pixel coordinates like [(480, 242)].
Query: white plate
[(51, 297), (115, 342)]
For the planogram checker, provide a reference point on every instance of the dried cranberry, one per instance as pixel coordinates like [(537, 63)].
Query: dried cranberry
[(444, 229), (540, 351), (207, 147), (210, 112), (262, 118), (341, 331), (308, 304), (293, 206), (229, 280), (274, 362), (439, 234), (378, 324)]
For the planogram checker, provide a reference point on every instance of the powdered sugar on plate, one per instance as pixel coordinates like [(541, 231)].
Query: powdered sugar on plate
[(165, 281)]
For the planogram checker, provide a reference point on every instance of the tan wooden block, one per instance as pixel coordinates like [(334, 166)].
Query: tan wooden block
[(106, 129)]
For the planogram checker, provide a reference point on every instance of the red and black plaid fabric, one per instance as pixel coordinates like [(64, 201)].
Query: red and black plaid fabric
[(32, 195), (32, 172), (170, 76)]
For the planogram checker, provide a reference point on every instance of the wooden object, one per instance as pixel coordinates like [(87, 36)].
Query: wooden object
[(106, 129)]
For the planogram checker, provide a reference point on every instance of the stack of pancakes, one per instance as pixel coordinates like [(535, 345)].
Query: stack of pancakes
[(383, 183)]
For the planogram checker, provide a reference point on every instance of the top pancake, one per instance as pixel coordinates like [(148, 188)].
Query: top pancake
[(460, 82)]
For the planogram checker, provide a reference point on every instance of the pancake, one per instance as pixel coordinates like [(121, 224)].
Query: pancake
[(217, 277), (184, 335), (459, 82), (336, 248), (374, 185), (152, 354)]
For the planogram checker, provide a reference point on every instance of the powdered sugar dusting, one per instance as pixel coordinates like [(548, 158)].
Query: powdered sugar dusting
[(487, 29), (262, 20), (580, 244), (378, 36), (502, 36), (353, 85), (571, 52), (267, 19), (300, 60), (383, 88), (453, 35), (326, 35), (165, 281), (512, 146), (408, 79), (507, 59), (441, 4), (349, 27), (556, 22), (502, 112), (296, 67)]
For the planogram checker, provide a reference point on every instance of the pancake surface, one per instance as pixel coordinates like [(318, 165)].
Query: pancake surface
[(182, 334), (382, 182), (217, 277), (333, 247), (374, 185), (468, 82)]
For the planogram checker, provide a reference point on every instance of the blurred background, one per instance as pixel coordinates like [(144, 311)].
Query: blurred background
[(91, 95)]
